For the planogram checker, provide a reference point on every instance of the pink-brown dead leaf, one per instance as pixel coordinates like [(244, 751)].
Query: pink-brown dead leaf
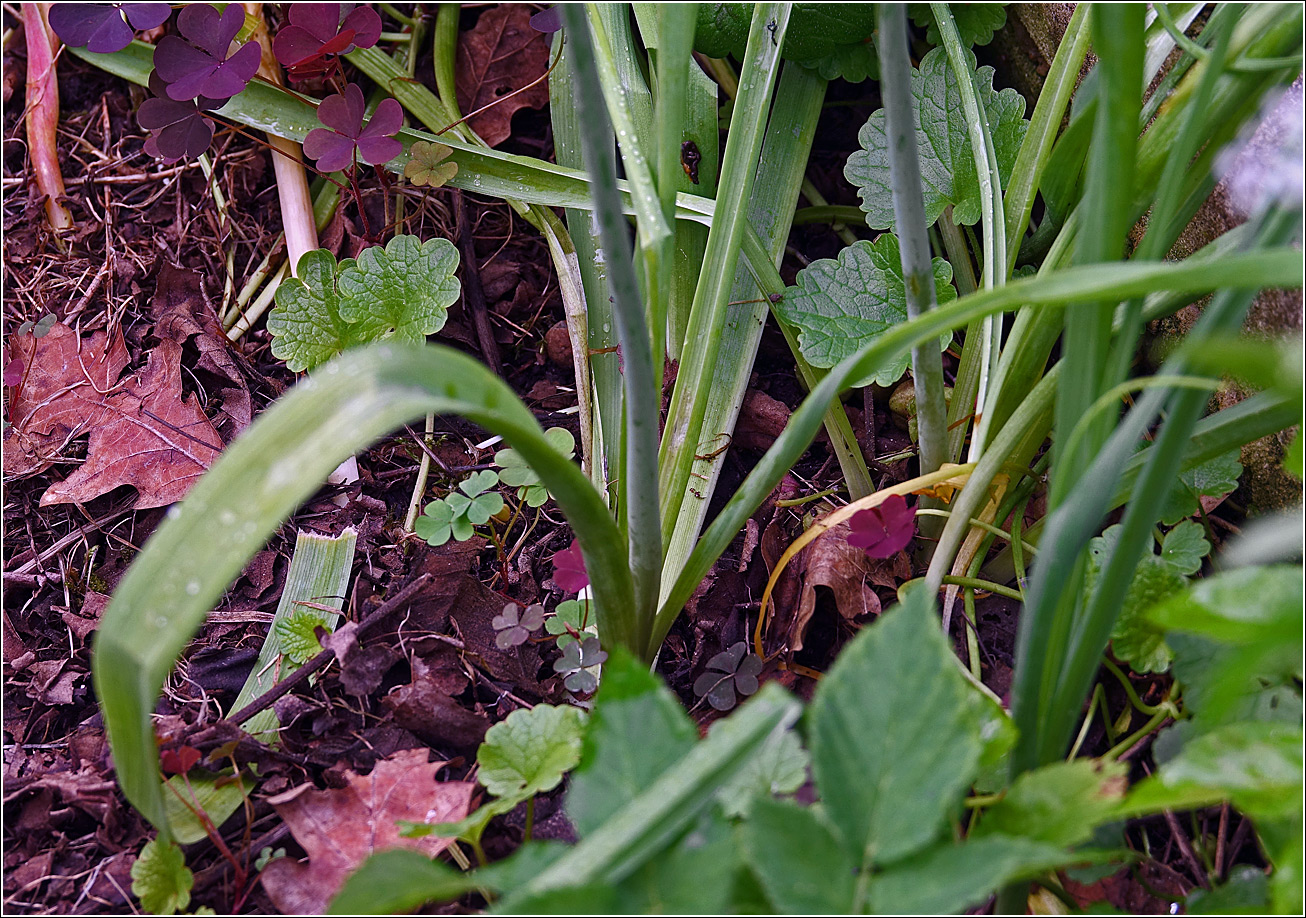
[(148, 436), (829, 561), (500, 55), (60, 394), (340, 828)]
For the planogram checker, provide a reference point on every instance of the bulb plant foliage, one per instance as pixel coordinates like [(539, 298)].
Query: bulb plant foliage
[(696, 286)]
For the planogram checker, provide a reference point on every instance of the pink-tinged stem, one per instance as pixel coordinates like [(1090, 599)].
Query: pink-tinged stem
[(287, 161), (43, 113)]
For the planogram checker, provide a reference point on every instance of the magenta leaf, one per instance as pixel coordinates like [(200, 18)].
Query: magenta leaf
[(178, 130), (13, 371), (344, 137), (547, 21), (885, 529), (307, 46), (569, 569), (200, 66), (100, 26)]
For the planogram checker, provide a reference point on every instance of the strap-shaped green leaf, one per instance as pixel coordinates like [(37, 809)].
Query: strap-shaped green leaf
[(275, 465)]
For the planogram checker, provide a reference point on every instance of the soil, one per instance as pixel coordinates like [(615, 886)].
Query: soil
[(69, 837)]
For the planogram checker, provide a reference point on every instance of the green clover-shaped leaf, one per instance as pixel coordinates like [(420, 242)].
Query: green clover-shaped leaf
[(426, 165), (306, 325), (515, 472), (435, 525), (402, 291), (839, 305), (943, 141), (571, 617), (732, 670), (297, 634)]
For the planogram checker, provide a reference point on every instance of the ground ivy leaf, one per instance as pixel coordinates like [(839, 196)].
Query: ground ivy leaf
[(946, 159), (298, 637), (306, 325), (402, 291), (888, 781), (976, 22), (1210, 479), (1184, 547), (530, 751), (161, 879), (840, 305), (1058, 803)]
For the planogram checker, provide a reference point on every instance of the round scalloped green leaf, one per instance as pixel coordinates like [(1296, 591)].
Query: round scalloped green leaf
[(306, 325), (530, 751), (840, 305), (1185, 546), (402, 291), (976, 22), (832, 38), (161, 879), (947, 160)]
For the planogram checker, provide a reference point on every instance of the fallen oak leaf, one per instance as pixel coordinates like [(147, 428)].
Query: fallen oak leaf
[(340, 828), (500, 55), (148, 437)]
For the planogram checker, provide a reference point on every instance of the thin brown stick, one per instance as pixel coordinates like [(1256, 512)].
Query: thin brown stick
[(473, 294)]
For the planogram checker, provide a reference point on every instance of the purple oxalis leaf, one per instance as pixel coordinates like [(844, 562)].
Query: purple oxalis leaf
[(885, 529), (344, 136), (202, 67), (178, 130), (100, 26), (317, 32), (569, 568)]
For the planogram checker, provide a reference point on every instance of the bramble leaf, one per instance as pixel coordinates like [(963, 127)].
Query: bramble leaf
[(946, 159), (306, 326), (529, 752), (426, 165), (779, 767), (161, 879), (402, 291), (976, 22), (839, 305)]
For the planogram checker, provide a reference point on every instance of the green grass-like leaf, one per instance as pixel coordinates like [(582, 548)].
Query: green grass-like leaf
[(946, 159), (841, 305)]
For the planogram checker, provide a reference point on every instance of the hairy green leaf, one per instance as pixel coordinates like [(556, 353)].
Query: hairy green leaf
[(780, 767), (1184, 547), (161, 879), (887, 781), (402, 291), (528, 752), (947, 161), (1210, 479), (306, 326), (976, 22), (297, 634), (840, 306), (834, 39), (1135, 640)]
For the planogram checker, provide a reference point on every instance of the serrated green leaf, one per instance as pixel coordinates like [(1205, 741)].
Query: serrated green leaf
[(693, 876), (396, 881), (297, 635), (888, 781), (780, 767), (306, 326), (947, 160), (1184, 547), (976, 22), (1210, 479), (161, 879), (832, 38), (528, 752), (402, 291), (949, 878), (1134, 639), (638, 730), (1059, 804), (840, 305), (801, 862)]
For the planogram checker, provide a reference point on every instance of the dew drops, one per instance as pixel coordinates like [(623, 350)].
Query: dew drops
[(193, 588), (226, 518), (174, 511)]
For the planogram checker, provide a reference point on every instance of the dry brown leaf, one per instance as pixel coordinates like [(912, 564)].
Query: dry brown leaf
[(61, 393), (499, 56), (829, 561), (340, 828), (147, 436)]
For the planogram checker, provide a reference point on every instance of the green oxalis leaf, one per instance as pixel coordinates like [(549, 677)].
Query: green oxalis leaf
[(402, 291), (161, 879), (516, 473), (839, 305), (946, 158), (573, 614), (457, 514), (976, 22), (426, 165), (298, 637)]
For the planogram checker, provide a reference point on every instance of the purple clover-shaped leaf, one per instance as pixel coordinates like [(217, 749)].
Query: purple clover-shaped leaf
[(345, 137), (515, 626), (575, 660), (730, 671), (547, 21), (569, 568), (100, 27), (200, 65), (316, 33), (883, 530), (178, 130)]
